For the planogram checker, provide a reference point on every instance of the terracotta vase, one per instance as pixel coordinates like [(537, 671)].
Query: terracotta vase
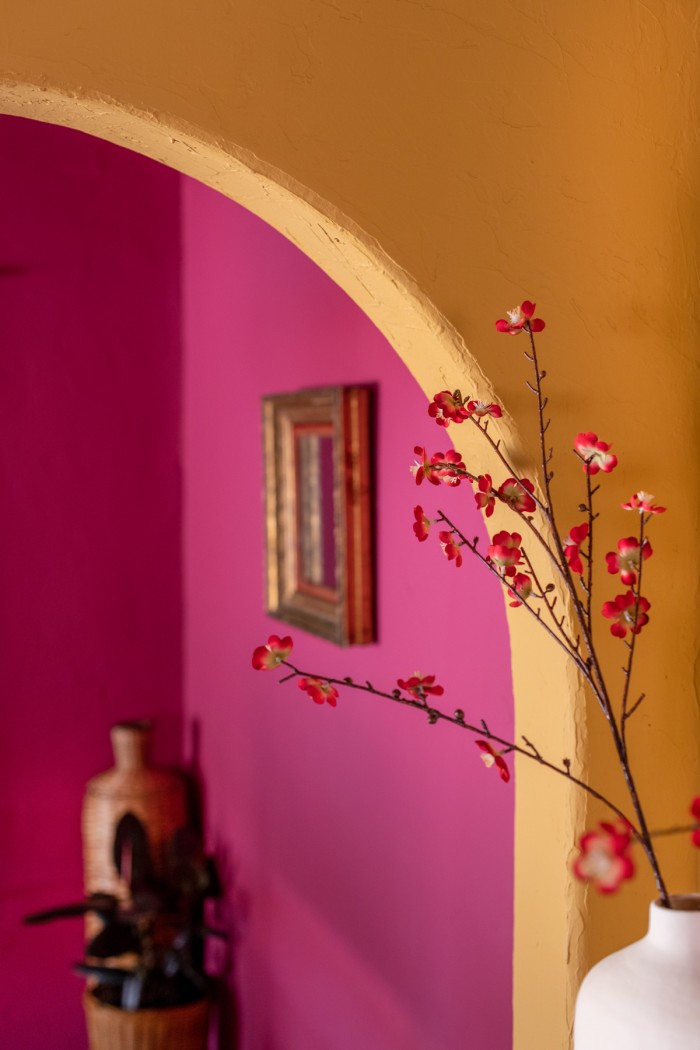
[(647, 996), (156, 797), (169, 1028)]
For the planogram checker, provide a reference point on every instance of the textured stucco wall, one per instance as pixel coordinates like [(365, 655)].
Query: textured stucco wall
[(529, 149)]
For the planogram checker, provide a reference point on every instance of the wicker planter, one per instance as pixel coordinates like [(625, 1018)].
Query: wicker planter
[(171, 1028)]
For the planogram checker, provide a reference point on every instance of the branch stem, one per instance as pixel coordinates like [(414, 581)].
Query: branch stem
[(436, 715)]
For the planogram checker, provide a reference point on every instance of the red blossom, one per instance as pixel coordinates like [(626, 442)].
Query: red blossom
[(423, 469), (572, 546), (448, 467), (627, 559), (521, 318), (518, 495), (490, 757), (504, 553), (450, 548), (628, 612), (267, 657), (484, 497), (644, 503), (604, 859), (319, 691), (480, 409), (420, 686), (520, 590), (446, 408), (421, 525), (596, 454), (695, 812)]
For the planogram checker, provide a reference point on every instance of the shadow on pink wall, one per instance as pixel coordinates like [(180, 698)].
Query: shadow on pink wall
[(372, 853)]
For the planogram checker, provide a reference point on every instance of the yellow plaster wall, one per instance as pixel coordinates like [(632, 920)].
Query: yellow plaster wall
[(442, 161)]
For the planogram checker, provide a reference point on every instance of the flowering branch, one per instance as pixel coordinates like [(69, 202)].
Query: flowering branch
[(496, 446), (488, 562), (604, 854), (631, 645), (323, 688), (629, 611)]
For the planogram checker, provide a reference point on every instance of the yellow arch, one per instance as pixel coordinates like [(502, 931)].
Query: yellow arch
[(537, 150), (548, 923)]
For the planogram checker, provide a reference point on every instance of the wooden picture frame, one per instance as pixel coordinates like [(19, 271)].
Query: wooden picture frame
[(319, 511)]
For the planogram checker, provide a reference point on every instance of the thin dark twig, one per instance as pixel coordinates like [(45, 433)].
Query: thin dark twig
[(532, 747), (679, 829), (549, 604), (635, 705), (636, 590), (589, 580), (436, 715)]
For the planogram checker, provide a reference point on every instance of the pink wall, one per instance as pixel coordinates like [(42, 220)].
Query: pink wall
[(90, 594), (369, 855)]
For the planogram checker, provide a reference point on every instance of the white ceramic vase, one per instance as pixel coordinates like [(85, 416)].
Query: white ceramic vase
[(647, 996)]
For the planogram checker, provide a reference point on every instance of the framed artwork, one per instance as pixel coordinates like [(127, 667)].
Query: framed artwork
[(319, 511)]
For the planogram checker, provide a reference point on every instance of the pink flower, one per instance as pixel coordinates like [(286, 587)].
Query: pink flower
[(423, 469), (420, 686), (504, 552), (520, 590), (319, 691), (491, 757), (604, 859), (572, 546), (596, 454), (521, 318), (485, 499), (448, 467), (627, 560), (518, 495), (695, 812), (450, 548), (447, 408), (628, 612), (644, 503), (421, 525), (266, 657), (480, 408)]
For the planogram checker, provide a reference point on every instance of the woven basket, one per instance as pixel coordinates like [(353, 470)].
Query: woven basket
[(172, 1028), (156, 797)]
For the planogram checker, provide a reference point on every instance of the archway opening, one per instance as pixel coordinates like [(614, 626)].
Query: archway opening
[(546, 916), (146, 316)]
